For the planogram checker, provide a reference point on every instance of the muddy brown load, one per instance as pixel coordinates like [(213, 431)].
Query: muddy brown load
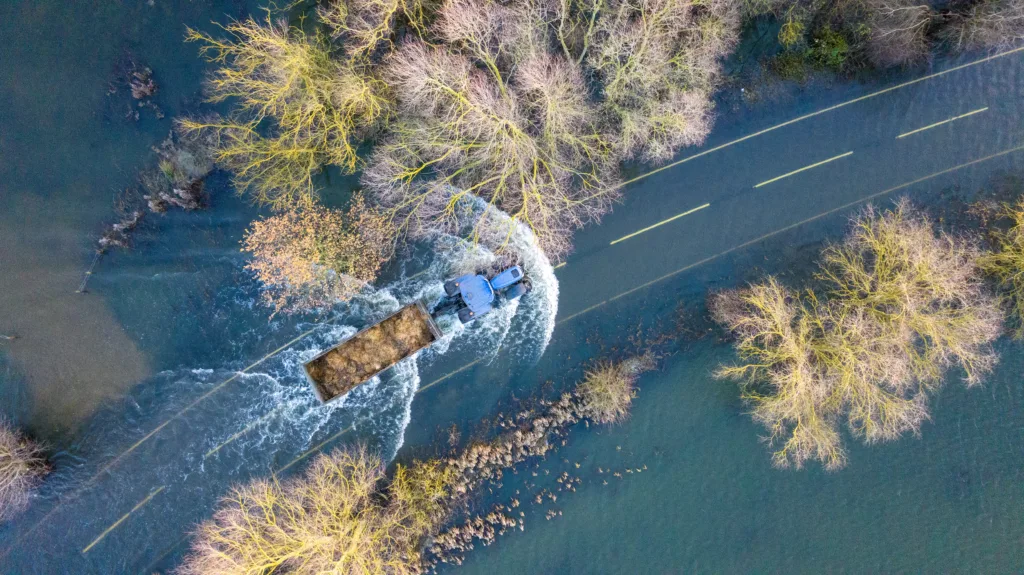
[(338, 370)]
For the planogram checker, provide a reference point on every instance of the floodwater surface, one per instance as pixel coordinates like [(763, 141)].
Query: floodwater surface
[(147, 391)]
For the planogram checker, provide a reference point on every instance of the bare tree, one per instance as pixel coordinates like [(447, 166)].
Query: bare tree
[(899, 31), (658, 61), (986, 25), (22, 467), (522, 137), (905, 305)]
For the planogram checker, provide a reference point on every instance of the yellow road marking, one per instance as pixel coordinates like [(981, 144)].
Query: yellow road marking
[(316, 448), (804, 169), (217, 388), (936, 124), (661, 223), (349, 428), (440, 379), (625, 293), (792, 226), (244, 430), (123, 517), (823, 111)]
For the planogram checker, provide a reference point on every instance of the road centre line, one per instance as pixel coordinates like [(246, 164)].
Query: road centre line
[(804, 169), (661, 223), (823, 111), (792, 226), (123, 517), (937, 124), (623, 184), (245, 430), (316, 448)]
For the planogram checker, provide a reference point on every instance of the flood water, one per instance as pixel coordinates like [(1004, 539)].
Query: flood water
[(135, 385)]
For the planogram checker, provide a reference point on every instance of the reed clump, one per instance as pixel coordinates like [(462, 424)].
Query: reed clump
[(1006, 265), (607, 390), (22, 468), (903, 305)]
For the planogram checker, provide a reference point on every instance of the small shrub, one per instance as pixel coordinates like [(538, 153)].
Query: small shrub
[(790, 65), (830, 50), (791, 33), (22, 468), (1006, 266), (607, 390), (310, 259)]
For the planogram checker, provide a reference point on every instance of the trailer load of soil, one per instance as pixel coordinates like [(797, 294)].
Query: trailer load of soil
[(376, 348)]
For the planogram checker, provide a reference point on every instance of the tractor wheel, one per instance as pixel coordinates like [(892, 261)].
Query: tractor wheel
[(451, 288), (466, 316), (518, 290)]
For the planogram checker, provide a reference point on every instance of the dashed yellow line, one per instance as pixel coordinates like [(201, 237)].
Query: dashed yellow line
[(823, 111), (804, 169), (313, 450), (217, 388), (244, 430), (121, 520), (442, 378), (661, 223), (349, 428), (936, 124)]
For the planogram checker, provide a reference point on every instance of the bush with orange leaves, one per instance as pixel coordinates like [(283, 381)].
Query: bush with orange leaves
[(311, 258)]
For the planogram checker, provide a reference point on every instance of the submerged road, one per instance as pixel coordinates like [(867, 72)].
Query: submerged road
[(736, 192)]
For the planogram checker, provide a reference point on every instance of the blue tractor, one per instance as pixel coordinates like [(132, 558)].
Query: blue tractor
[(471, 295)]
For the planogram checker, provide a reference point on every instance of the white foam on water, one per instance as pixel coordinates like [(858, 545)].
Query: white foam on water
[(381, 408)]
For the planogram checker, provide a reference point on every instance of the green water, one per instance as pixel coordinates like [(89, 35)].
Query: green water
[(165, 323)]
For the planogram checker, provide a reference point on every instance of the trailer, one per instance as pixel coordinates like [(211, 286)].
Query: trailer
[(372, 350)]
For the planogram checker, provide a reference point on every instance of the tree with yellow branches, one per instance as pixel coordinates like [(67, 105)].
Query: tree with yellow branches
[(297, 108), (341, 516), (904, 305)]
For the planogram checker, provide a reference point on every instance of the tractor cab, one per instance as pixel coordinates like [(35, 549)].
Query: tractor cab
[(474, 295)]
